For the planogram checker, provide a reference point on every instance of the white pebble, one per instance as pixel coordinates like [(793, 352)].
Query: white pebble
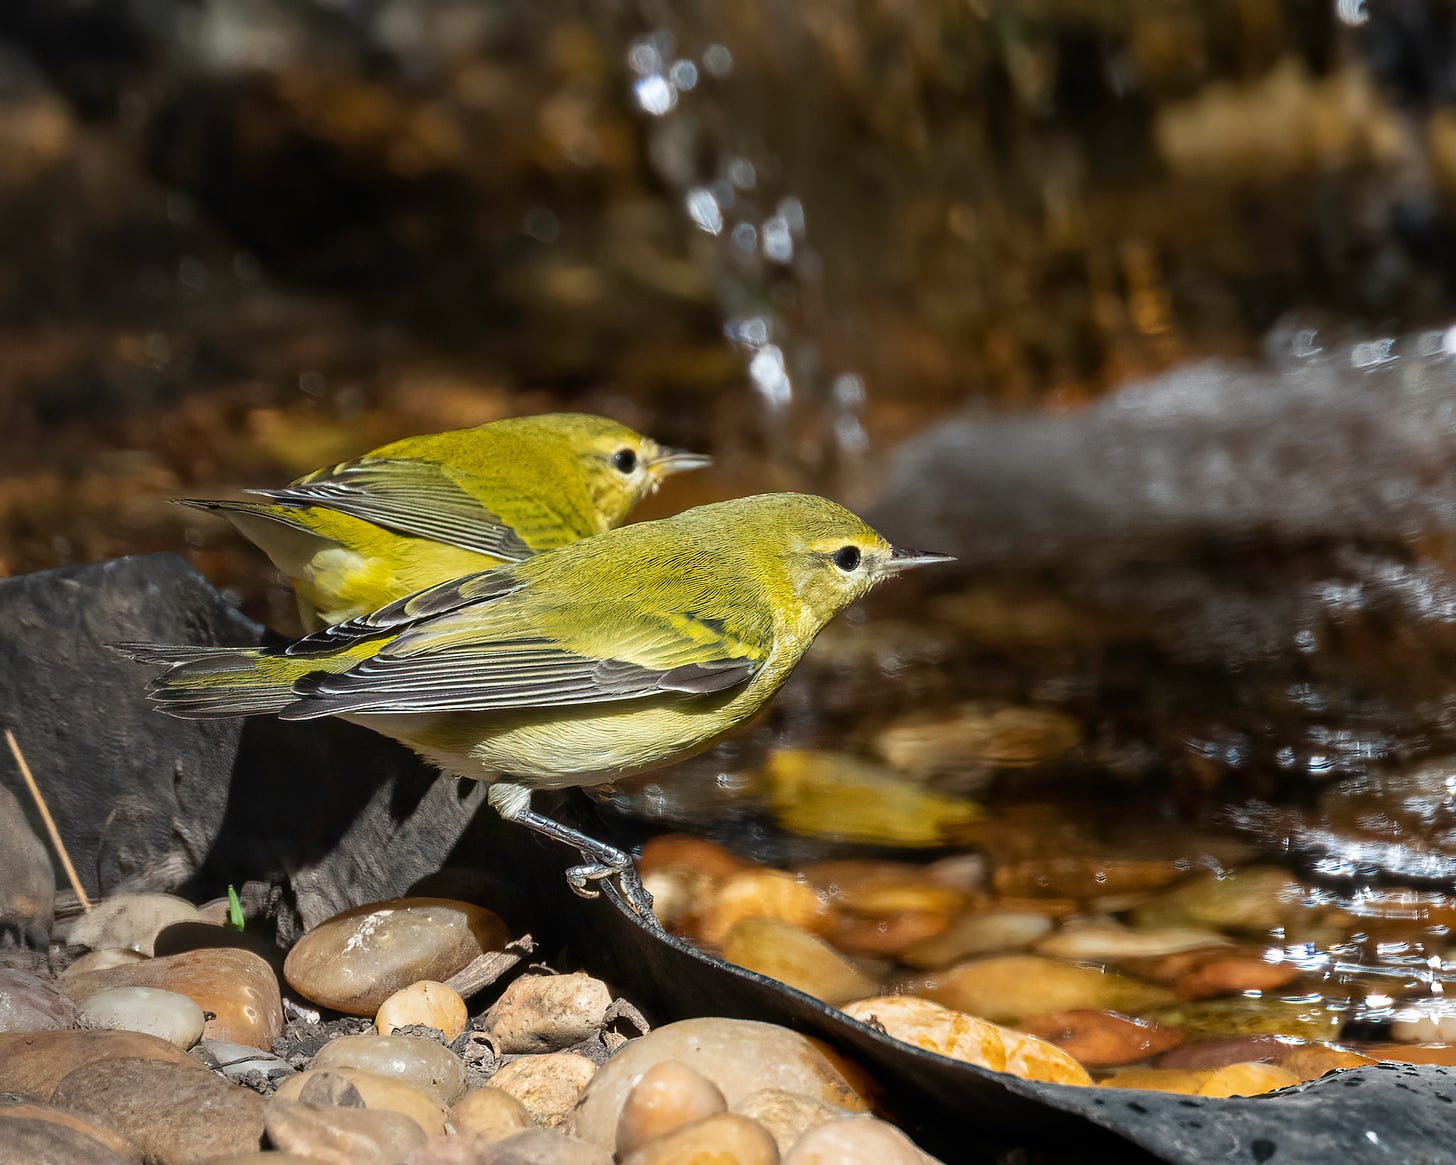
[(166, 1014)]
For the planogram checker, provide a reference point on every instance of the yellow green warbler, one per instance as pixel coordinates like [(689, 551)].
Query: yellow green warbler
[(417, 512), (577, 666)]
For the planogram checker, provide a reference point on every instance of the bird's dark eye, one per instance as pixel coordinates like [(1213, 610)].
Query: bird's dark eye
[(624, 460), (846, 558)]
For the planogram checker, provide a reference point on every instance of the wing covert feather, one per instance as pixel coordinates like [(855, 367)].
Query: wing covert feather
[(410, 497)]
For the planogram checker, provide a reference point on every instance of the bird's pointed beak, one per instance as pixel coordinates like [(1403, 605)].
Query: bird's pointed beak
[(669, 460), (902, 559)]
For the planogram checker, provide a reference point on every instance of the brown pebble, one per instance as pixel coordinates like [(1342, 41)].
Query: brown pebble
[(1444, 1054), (1220, 1052), (356, 960), (668, 1095), (170, 1112), (685, 852), (22, 1110), (238, 987), (887, 936), (854, 1140), (1102, 1039), (1230, 974), (490, 1113), (342, 1136), (723, 1139), (33, 1063)]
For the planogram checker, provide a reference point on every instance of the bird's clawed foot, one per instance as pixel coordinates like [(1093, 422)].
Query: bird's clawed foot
[(582, 880)]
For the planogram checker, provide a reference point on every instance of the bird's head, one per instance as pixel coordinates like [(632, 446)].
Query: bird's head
[(823, 556), (621, 465)]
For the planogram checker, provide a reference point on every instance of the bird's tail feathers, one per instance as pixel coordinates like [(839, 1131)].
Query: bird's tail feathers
[(205, 683)]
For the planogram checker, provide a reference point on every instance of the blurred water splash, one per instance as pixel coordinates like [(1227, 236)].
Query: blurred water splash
[(756, 244)]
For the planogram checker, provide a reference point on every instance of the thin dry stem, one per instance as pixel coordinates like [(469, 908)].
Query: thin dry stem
[(45, 814)]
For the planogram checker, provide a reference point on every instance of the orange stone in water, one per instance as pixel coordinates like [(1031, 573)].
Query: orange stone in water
[(1103, 1039), (964, 1037)]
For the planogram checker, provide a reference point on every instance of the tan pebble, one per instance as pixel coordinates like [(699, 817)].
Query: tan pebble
[(129, 921), (341, 1136), (1009, 988), (928, 1025), (786, 953), (963, 872), (1257, 899), (1309, 1019), (422, 1063), (1311, 1061), (975, 738), (104, 960), (266, 1157), (356, 960), (739, 1056), (1103, 939), (546, 1147), (1182, 1080), (1427, 1026), (764, 894), (491, 1113), (378, 1092), (237, 986), (724, 1139), (879, 888), (676, 895), (548, 1085), (668, 1095), (976, 934), (1102, 1039), (786, 1115), (425, 1002), (854, 1140), (546, 1013), (1247, 1080)]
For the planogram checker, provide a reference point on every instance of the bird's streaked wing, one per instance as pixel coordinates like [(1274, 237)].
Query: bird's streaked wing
[(409, 497)]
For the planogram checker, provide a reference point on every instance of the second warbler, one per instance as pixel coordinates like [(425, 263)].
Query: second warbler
[(416, 512), (580, 665)]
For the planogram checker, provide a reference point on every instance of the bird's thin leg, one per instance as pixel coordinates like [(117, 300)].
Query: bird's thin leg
[(513, 802)]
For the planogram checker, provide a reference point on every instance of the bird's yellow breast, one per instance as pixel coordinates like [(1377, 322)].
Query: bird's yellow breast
[(557, 748)]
